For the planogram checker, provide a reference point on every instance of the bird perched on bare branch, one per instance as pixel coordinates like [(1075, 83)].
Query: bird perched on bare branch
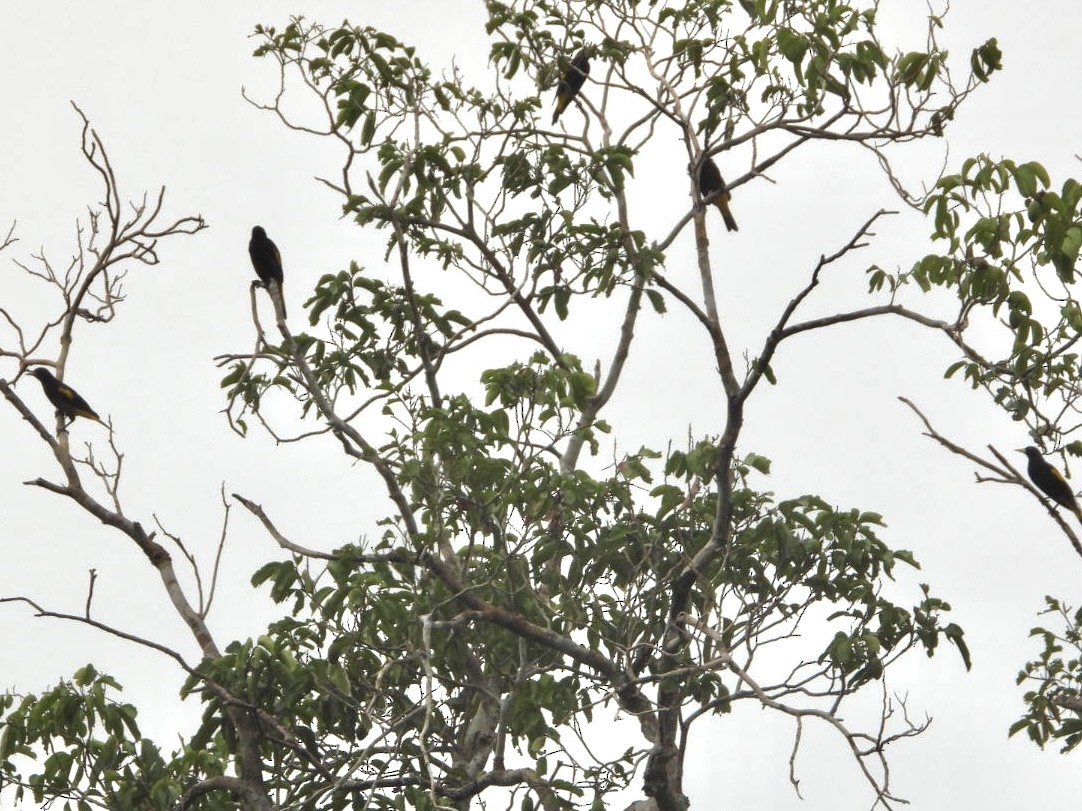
[(714, 190), (267, 261), (1050, 481), (63, 397)]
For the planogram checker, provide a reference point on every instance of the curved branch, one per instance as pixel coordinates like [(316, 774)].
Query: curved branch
[(396, 556), (222, 782), (781, 331)]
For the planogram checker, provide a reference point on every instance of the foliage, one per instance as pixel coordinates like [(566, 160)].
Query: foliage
[(1057, 677), (84, 737)]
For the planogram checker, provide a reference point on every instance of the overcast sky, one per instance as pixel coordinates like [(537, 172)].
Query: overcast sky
[(162, 85)]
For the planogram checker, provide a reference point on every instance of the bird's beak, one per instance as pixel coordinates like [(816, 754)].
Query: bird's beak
[(1020, 450)]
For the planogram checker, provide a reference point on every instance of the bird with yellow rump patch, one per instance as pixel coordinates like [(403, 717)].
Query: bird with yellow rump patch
[(1050, 481), (714, 190), (572, 82), (63, 397)]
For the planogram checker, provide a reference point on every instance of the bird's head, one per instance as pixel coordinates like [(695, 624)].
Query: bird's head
[(1031, 452), (41, 373), (258, 232)]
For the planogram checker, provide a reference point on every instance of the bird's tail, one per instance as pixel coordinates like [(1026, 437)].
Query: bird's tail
[(723, 206), (561, 105), (278, 298)]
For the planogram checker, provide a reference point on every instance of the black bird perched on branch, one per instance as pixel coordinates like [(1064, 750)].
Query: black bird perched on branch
[(710, 183), (66, 400), (572, 82), (1050, 482), (267, 261)]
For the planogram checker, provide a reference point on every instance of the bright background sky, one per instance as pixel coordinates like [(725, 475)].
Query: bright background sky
[(162, 85)]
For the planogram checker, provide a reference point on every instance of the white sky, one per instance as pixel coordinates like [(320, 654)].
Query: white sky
[(162, 86)]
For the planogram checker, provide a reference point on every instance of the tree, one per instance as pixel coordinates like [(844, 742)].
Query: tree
[(520, 592)]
